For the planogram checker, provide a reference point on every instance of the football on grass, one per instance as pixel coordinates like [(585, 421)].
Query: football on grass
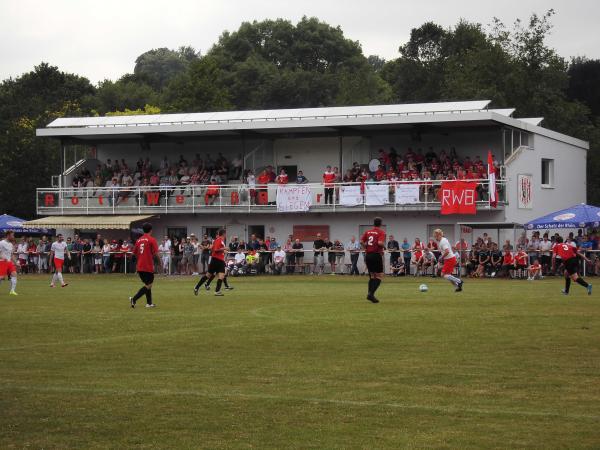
[(423, 288)]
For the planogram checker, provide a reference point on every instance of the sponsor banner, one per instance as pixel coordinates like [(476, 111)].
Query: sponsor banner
[(377, 194), (350, 195), (293, 198), (407, 194)]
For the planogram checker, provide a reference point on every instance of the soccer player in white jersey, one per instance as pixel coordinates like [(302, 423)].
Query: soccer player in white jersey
[(57, 254), (449, 258), (7, 267)]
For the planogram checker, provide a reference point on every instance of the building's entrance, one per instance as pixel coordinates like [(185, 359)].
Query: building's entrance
[(258, 230), (211, 231), (177, 232)]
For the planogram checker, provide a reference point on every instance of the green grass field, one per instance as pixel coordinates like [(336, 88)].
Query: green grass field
[(294, 362)]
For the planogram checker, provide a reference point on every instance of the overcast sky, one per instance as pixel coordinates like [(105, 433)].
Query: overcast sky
[(101, 39)]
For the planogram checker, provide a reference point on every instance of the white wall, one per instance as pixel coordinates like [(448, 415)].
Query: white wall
[(569, 178)]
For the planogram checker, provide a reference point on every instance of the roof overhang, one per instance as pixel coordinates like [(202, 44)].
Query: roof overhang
[(86, 222)]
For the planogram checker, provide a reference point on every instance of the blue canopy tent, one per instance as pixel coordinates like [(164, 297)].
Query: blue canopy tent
[(11, 223), (578, 216)]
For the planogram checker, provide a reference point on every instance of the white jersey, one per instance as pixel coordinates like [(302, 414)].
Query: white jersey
[(59, 249), (445, 247), (6, 250)]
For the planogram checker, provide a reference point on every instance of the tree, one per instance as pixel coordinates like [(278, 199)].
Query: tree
[(126, 93), (583, 83), (157, 67)]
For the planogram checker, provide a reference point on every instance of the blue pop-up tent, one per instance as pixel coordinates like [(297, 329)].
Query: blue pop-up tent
[(11, 223), (578, 216)]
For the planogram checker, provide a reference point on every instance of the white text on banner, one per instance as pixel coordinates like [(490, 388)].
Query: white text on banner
[(293, 198), (407, 194), (377, 194), (350, 195)]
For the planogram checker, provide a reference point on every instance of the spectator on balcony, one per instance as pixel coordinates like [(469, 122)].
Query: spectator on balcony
[(348, 176), (380, 174), (212, 192), (328, 180), (298, 253), (394, 248), (282, 178), (300, 178), (222, 171), (237, 165)]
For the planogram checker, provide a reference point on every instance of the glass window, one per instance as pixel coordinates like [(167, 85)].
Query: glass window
[(547, 172)]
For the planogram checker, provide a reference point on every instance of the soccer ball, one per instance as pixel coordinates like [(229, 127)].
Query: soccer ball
[(423, 288)]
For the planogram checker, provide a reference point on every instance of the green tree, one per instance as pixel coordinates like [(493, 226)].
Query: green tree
[(157, 67), (126, 93)]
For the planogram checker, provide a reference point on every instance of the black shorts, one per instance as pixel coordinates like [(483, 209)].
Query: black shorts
[(216, 266), (572, 266), (146, 277), (374, 262)]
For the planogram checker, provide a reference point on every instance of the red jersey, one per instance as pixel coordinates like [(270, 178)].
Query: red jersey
[(565, 251), (145, 249), (282, 179), (371, 239), (509, 259), (328, 178), (521, 258), (217, 245)]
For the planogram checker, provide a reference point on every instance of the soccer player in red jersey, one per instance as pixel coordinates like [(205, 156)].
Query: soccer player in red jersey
[(145, 251), (216, 266), (569, 255), (373, 241)]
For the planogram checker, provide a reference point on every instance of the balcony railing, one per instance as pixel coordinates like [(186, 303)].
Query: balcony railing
[(242, 198)]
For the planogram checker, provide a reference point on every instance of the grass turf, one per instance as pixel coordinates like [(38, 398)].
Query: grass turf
[(299, 362)]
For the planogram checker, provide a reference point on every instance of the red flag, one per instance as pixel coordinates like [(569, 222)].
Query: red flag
[(458, 197), (493, 192)]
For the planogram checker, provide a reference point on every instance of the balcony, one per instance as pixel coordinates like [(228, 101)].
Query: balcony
[(239, 198)]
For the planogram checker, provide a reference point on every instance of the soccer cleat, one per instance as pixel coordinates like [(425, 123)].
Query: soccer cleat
[(219, 294), (229, 288), (151, 305), (207, 287), (564, 292), (372, 298), (459, 286), (196, 291), (51, 284), (64, 285), (14, 293), (589, 289)]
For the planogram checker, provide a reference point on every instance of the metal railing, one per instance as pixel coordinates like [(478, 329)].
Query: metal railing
[(242, 198)]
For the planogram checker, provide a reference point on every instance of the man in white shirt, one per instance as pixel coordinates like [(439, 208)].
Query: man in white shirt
[(164, 251), (57, 254), (7, 267), (278, 260), (449, 257), (546, 254)]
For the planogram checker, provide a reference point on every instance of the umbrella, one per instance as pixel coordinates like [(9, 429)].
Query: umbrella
[(11, 223), (578, 216)]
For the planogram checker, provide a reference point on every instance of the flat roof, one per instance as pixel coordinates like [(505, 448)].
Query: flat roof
[(300, 120)]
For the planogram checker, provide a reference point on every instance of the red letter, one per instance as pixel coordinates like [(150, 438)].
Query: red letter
[(235, 198), (100, 200), (74, 200), (319, 198), (48, 200), (179, 199), (152, 198), (263, 198)]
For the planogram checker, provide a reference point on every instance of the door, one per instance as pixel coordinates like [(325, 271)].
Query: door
[(211, 231), (238, 230), (258, 230), (177, 232)]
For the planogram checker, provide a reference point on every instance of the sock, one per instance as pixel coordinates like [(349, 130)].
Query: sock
[(225, 282), (371, 286), (60, 278), (149, 296), (452, 279), (219, 283), (202, 281), (53, 278), (13, 283), (376, 283), (141, 292), (567, 284), (209, 281), (579, 280)]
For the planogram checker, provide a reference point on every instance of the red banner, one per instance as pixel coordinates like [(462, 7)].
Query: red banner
[(458, 197)]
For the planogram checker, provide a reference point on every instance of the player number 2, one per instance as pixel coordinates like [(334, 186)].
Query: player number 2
[(370, 241)]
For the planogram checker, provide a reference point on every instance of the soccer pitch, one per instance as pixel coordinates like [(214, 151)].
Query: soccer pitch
[(299, 362)]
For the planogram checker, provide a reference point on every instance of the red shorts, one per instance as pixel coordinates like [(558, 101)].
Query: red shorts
[(449, 265), (58, 264), (6, 268)]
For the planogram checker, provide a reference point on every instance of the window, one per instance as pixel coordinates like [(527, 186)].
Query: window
[(547, 173)]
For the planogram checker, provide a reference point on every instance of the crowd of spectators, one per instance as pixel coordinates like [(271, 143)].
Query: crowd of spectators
[(527, 258)]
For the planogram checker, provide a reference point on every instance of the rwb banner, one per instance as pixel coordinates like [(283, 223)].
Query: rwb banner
[(293, 198), (458, 197)]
